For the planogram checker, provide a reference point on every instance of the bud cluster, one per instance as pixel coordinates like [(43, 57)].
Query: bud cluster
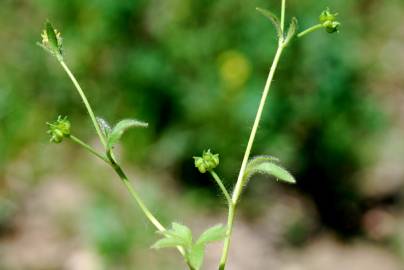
[(329, 21), (207, 162), (59, 129)]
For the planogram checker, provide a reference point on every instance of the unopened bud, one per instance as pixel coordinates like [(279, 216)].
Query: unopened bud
[(329, 21), (59, 129), (207, 162)]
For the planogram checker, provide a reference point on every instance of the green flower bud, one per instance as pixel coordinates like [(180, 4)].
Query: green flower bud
[(331, 27), (52, 41), (329, 21), (207, 162), (59, 129)]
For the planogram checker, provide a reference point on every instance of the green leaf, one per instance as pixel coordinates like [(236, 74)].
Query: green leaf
[(270, 168), (183, 232), (291, 31), (104, 126), (178, 235), (196, 255), (273, 18), (212, 234), (261, 159), (52, 38), (168, 242), (120, 128)]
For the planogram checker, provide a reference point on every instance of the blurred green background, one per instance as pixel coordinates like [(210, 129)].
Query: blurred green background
[(194, 70)]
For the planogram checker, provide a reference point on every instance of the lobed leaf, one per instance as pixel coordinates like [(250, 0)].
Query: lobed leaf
[(273, 18), (120, 128)]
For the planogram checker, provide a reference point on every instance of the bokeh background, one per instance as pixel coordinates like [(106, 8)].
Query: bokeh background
[(195, 69)]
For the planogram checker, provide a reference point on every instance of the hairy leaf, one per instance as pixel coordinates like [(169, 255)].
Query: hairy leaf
[(120, 128), (104, 126), (261, 159), (269, 168), (212, 234), (291, 31), (273, 18)]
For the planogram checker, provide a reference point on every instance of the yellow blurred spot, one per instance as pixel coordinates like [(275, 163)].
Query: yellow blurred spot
[(234, 69)]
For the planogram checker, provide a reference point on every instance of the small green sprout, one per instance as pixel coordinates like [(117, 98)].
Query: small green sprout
[(207, 162), (59, 129)]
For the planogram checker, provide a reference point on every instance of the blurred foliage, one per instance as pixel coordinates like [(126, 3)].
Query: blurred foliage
[(194, 70)]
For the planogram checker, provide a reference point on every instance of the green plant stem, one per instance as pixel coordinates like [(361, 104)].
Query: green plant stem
[(134, 194), (89, 148), (309, 30), (85, 101), (119, 171), (283, 9), (241, 180), (110, 159), (222, 187)]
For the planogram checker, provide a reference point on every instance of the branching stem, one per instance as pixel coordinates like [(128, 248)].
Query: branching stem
[(109, 155), (89, 148), (241, 179)]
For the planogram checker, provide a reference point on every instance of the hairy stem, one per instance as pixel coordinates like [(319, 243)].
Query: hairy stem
[(241, 180), (85, 101), (222, 187)]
